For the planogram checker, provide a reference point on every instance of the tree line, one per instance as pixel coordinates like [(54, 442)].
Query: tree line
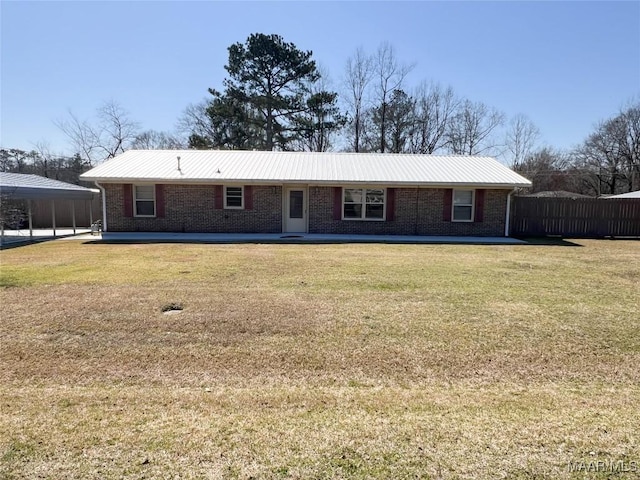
[(275, 97)]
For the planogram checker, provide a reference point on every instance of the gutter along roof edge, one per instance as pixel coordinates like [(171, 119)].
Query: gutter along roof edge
[(325, 183)]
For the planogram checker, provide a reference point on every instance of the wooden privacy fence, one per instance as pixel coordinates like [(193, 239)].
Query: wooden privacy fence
[(86, 211), (577, 218)]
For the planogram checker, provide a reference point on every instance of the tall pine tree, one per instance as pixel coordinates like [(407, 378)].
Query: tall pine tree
[(268, 90)]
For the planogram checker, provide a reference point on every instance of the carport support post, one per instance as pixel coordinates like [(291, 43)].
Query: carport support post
[(53, 216), (30, 220), (73, 215), (90, 212)]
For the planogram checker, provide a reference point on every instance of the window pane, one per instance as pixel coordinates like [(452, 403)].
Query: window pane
[(461, 213), (234, 196), (375, 196), (352, 210), (144, 207), (144, 192), (296, 204), (462, 197), (375, 211), (353, 195)]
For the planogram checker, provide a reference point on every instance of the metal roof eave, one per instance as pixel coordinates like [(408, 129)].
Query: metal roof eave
[(29, 193), (272, 182)]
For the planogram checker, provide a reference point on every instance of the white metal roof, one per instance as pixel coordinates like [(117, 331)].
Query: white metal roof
[(27, 186), (208, 166), (635, 194)]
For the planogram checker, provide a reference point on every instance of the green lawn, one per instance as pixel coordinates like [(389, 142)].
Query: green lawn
[(320, 361)]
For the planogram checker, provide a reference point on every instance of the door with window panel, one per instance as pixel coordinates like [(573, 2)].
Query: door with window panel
[(296, 210)]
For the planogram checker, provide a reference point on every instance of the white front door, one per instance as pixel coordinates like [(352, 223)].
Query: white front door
[(295, 207)]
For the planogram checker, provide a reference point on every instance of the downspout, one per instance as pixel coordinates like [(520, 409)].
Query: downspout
[(104, 206), (508, 215)]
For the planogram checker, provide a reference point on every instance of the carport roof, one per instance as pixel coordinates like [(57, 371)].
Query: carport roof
[(22, 186), (635, 194)]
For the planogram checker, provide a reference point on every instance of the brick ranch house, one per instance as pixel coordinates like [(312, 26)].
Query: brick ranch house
[(304, 192)]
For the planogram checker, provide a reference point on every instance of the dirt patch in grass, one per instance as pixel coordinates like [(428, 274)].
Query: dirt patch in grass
[(326, 361)]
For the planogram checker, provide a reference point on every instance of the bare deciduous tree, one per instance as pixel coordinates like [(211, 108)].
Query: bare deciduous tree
[(434, 107), (81, 134), (628, 132), (318, 125), (389, 75), (44, 163), (400, 121), (110, 134), (471, 128), (610, 156), (358, 74), (16, 160), (521, 138), (196, 122), (154, 140), (548, 170)]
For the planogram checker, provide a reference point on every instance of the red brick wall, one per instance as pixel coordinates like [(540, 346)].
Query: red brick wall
[(191, 208), (321, 219), (417, 212), (431, 222)]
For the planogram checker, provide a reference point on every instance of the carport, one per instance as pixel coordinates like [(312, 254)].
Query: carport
[(19, 186)]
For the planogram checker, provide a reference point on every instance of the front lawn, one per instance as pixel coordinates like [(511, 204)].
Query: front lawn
[(320, 361)]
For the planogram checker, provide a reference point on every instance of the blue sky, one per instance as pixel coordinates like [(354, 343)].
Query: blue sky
[(566, 65)]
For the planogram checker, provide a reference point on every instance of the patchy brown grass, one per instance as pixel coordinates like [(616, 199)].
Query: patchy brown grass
[(322, 361)]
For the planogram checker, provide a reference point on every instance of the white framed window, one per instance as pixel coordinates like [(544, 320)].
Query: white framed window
[(462, 205), (363, 203), (144, 200), (233, 197)]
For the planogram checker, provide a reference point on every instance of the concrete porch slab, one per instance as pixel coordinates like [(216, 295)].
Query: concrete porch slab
[(12, 237), (162, 237)]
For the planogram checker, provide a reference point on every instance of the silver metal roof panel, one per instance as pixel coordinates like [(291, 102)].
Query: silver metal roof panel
[(231, 166), (25, 186)]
